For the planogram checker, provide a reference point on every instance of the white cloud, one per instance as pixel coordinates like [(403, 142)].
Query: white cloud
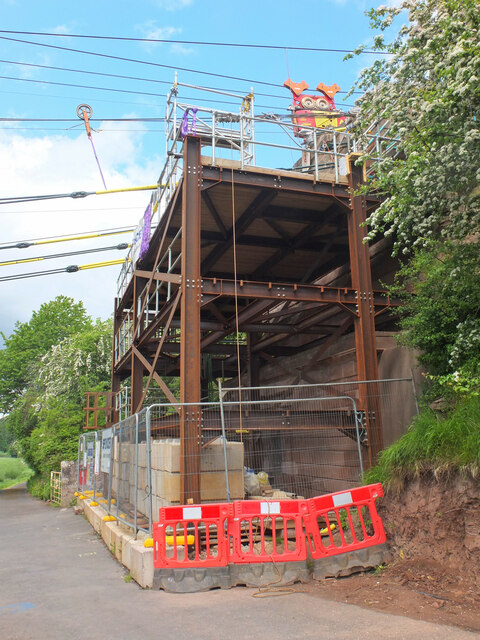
[(61, 28), (153, 32), (180, 50), (60, 164)]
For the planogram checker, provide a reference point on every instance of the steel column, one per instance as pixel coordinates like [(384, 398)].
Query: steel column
[(365, 338), (136, 368), (190, 354), (116, 379)]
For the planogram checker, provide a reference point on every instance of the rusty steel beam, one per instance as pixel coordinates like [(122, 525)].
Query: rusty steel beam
[(365, 338), (253, 210), (158, 351), (298, 292), (248, 313), (190, 354), (174, 278), (214, 213), (115, 378), (147, 365), (272, 181)]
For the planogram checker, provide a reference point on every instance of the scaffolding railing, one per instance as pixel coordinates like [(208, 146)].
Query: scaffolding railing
[(265, 140)]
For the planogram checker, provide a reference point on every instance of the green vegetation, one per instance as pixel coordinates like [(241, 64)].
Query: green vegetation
[(12, 471), (441, 296), (45, 368), (433, 444), (426, 88)]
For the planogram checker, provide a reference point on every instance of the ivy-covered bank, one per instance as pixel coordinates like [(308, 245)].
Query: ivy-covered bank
[(45, 367)]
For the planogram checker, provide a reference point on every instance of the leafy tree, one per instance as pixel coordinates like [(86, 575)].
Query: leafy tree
[(425, 93), (427, 88), (54, 401), (47, 365), (54, 321), (440, 316)]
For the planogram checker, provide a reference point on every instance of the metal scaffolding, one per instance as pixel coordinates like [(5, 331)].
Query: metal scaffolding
[(247, 266)]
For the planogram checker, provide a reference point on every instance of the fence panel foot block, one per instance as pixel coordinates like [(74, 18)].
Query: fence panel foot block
[(346, 564)]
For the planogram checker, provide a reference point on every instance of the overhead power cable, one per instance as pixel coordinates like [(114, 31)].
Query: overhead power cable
[(88, 236), (74, 194), (76, 120), (120, 247), (137, 78), (191, 42), (13, 244), (140, 93), (83, 86), (145, 62), (70, 269)]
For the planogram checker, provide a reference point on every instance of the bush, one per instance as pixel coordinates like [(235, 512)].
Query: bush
[(433, 444), (39, 486)]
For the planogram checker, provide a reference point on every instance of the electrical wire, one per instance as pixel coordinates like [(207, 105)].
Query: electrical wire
[(86, 236), (74, 194), (120, 247), (192, 42), (139, 79), (83, 86), (71, 210), (70, 269), (14, 243), (130, 91), (144, 62)]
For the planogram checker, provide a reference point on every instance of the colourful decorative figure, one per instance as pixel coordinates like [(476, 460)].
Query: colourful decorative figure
[(313, 110)]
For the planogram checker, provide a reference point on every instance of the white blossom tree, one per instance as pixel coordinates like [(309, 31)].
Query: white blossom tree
[(427, 86)]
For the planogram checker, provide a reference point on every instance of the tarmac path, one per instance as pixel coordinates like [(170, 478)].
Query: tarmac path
[(58, 581)]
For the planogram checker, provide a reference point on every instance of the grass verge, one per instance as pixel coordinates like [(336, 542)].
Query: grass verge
[(13, 471), (433, 443)]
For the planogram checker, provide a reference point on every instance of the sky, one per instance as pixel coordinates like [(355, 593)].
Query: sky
[(54, 156)]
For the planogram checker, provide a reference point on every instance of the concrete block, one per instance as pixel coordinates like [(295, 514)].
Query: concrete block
[(69, 481), (127, 543), (141, 560), (166, 455), (212, 485), (94, 515), (142, 479), (107, 529), (213, 457), (119, 535), (142, 454)]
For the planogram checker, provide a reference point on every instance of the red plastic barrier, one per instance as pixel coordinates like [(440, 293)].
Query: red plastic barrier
[(344, 521), (192, 536), (255, 531), (266, 530)]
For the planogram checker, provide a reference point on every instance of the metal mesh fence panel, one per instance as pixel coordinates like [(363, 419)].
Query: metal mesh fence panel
[(297, 447), (86, 461), (265, 442), (314, 451)]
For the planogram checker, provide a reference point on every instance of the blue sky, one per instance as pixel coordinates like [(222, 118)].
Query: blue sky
[(53, 157)]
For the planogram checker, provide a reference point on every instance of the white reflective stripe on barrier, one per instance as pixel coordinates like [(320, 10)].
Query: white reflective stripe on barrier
[(194, 513), (269, 507), (341, 499)]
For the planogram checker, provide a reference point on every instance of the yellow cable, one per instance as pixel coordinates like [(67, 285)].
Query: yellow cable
[(95, 265), (7, 264), (10, 262), (149, 187), (84, 237)]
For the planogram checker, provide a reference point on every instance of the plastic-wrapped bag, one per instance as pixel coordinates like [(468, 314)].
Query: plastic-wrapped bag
[(251, 482)]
